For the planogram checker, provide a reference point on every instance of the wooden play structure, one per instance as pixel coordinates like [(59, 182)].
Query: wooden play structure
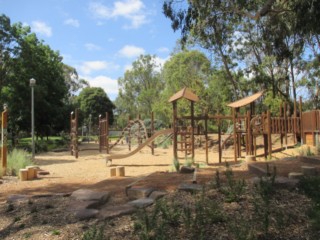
[(246, 127), (4, 149), (74, 133)]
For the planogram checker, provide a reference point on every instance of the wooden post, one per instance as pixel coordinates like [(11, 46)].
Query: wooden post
[(192, 130), (285, 125), (269, 134), (107, 132), (234, 134), (281, 125), (301, 122), (219, 141), (129, 135), (100, 134), (152, 132), (4, 132), (174, 123), (295, 121), (71, 134), (206, 135)]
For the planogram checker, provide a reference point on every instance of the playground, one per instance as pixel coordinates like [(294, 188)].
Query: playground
[(89, 171), (253, 143)]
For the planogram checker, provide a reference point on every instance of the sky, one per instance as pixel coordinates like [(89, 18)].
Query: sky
[(100, 38)]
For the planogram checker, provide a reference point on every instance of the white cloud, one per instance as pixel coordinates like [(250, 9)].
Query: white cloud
[(128, 67), (41, 28), (92, 47), (133, 10), (163, 50), (91, 66), (72, 22), (130, 51), (109, 85), (160, 62)]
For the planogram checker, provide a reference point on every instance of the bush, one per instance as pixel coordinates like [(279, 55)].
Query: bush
[(17, 159)]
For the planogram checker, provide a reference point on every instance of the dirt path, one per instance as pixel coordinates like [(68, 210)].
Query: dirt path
[(90, 171)]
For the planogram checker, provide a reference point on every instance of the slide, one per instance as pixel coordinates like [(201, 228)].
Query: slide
[(148, 141)]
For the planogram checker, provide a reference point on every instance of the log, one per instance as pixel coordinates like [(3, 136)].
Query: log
[(295, 175), (120, 172), (112, 172), (23, 174)]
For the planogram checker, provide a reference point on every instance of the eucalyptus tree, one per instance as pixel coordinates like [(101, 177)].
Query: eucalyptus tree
[(139, 88), (265, 38), (189, 69)]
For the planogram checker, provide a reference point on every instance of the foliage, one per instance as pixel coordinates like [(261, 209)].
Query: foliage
[(234, 188), (263, 39), (23, 56), (93, 101), (94, 233), (139, 89), (310, 186), (176, 164), (17, 159), (265, 191)]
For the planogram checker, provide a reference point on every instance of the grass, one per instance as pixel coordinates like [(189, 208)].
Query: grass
[(17, 159)]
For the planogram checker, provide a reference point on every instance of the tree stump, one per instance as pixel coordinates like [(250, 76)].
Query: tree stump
[(112, 172), (120, 172), (23, 174), (31, 172)]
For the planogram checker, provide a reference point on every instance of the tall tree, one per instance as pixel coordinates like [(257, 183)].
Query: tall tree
[(93, 101), (139, 89), (23, 57), (189, 69)]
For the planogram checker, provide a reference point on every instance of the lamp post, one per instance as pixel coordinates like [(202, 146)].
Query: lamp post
[(32, 84)]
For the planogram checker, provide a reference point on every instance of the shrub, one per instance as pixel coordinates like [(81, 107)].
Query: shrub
[(17, 159), (94, 233)]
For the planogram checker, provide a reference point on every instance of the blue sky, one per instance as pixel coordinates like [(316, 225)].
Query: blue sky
[(100, 38)]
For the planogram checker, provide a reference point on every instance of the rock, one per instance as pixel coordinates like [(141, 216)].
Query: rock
[(76, 205), (256, 170), (136, 193), (280, 182), (84, 214), (295, 175), (90, 195), (190, 187), (309, 171), (116, 211), (18, 197), (155, 195), (185, 169), (142, 202)]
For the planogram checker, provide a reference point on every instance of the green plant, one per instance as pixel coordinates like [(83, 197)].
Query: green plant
[(176, 164), (265, 190), (17, 159), (310, 186), (154, 225), (94, 233), (10, 207), (188, 161), (55, 232), (27, 235), (234, 188)]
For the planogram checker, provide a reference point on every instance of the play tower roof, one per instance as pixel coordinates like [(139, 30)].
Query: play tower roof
[(245, 101), (184, 93)]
